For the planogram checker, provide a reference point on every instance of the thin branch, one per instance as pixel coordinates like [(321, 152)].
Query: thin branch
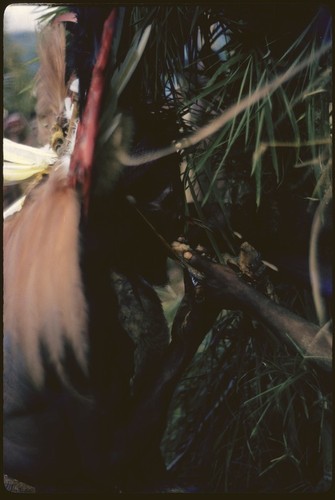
[(314, 269)]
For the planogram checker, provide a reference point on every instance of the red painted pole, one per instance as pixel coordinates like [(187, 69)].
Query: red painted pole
[(83, 154)]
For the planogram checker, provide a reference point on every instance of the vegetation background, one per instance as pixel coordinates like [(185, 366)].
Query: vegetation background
[(249, 415), (19, 67)]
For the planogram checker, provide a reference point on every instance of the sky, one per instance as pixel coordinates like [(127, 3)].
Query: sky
[(20, 17)]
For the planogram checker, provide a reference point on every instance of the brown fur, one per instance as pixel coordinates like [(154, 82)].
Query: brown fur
[(50, 85), (43, 292)]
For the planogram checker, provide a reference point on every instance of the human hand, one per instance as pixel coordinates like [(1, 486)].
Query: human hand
[(219, 283)]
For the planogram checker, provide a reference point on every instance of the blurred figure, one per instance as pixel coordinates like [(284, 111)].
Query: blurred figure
[(17, 129)]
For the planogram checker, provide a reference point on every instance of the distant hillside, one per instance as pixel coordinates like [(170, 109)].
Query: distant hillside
[(26, 41), (20, 67)]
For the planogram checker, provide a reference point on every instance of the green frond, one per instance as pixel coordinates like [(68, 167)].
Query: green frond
[(49, 12)]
